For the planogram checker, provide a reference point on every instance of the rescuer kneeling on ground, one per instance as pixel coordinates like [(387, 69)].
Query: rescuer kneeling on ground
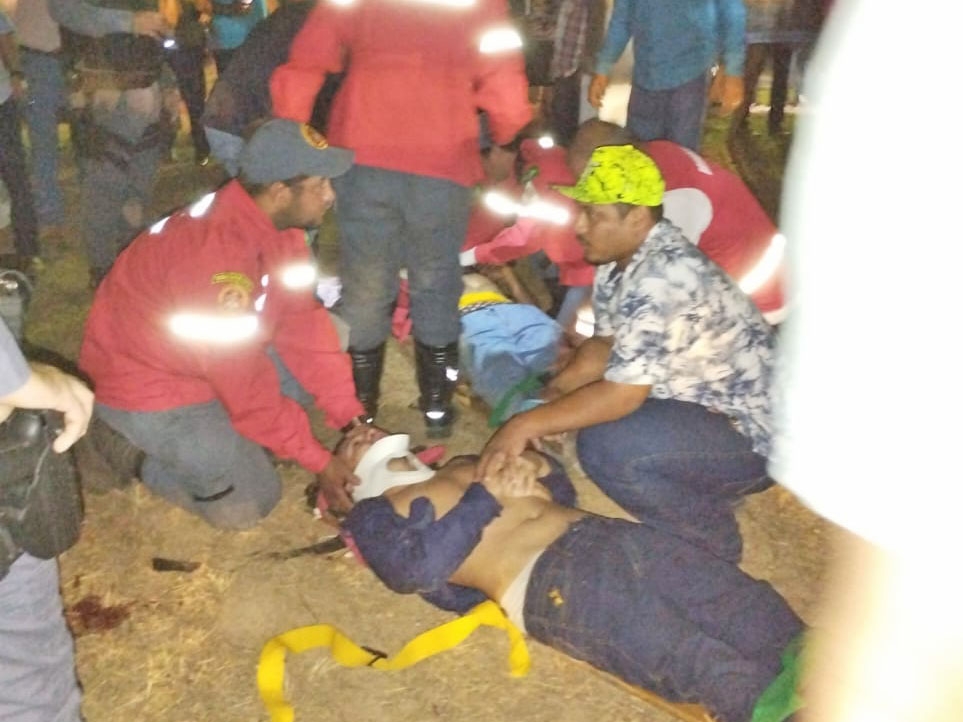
[(206, 335)]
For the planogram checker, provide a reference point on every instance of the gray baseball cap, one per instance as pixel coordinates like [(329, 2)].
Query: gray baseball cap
[(282, 149)]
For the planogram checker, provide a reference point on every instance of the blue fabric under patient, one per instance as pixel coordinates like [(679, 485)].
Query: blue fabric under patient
[(502, 345)]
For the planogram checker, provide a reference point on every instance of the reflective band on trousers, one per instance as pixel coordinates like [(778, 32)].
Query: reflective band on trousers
[(270, 668)]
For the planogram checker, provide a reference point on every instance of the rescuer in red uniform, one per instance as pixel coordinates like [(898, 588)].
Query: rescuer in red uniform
[(415, 76), (206, 335)]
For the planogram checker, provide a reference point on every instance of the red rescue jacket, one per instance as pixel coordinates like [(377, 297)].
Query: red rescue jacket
[(188, 311), (416, 77)]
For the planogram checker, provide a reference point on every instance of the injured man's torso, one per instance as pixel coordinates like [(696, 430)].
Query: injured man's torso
[(525, 527)]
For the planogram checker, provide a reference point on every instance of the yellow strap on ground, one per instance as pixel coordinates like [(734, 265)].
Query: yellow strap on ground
[(270, 669)]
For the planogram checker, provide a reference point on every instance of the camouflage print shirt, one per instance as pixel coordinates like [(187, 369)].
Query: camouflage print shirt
[(683, 326)]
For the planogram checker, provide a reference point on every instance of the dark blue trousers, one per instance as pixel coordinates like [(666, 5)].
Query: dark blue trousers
[(679, 467), (660, 613)]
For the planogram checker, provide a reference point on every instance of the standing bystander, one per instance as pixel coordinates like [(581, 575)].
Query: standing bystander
[(675, 45), (37, 678), (415, 79), (13, 167), (186, 53), (38, 24)]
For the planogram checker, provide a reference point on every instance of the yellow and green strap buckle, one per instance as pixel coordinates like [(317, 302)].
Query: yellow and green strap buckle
[(270, 669)]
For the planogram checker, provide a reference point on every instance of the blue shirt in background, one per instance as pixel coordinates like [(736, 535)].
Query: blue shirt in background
[(674, 41), (230, 31)]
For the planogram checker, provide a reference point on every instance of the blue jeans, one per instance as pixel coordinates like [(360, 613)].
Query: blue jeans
[(676, 114), (45, 98), (37, 678), (660, 613), (678, 467), (389, 221)]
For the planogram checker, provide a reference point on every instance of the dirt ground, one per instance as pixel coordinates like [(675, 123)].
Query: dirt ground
[(183, 646)]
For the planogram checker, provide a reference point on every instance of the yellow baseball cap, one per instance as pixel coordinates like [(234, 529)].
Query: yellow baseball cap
[(618, 174)]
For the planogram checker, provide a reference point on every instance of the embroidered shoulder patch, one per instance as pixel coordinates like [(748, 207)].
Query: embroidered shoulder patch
[(235, 290)]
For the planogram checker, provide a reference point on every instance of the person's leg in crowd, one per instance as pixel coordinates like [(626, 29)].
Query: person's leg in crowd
[(565, 106), (102, 197), (781, 62), (678, 467), (436, 218), (686, 112), (115, 196), (45, 99), (37, 678), (196, 460), (647, 113), (188, 66), (371, 224), (141, 172), (756, 55), (13, 171)]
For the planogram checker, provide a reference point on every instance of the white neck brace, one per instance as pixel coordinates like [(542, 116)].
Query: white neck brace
[(377, 478)]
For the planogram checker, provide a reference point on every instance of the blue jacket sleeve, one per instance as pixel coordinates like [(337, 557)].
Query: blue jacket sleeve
[(558, 483), (419, 553), (616, 37)]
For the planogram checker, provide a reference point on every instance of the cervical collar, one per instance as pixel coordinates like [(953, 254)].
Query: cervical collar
[(377, 478)]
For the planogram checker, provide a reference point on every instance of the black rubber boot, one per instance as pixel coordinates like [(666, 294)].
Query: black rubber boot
[(367, 367), (437, 375)]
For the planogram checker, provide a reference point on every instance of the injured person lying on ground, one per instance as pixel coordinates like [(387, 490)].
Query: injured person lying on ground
[(629, 599)]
